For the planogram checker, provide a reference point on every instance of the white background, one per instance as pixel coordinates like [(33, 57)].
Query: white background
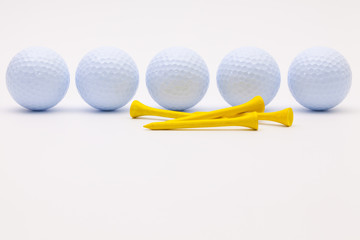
[(76, 173)]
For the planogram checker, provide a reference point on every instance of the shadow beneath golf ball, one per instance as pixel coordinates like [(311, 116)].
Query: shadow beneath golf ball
[(102, 112), (336, 110), (31, 112), (68, 110)]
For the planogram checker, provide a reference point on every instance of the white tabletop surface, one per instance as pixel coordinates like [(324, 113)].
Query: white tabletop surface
[(77, 173)]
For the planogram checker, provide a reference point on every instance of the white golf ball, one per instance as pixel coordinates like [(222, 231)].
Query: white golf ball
[(37, 78), (319, 78), (177, 78), (107, 78), (248, 72)]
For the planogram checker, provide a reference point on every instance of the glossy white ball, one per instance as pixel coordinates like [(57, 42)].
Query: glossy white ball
[(37, 78), (107, 78), (248, 72), (177, 78), (319, 78)]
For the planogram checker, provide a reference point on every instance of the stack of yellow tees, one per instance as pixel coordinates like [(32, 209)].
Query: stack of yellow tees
[(245, 115)]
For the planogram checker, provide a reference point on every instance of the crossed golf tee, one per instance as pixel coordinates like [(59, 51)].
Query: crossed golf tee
[(244, 115)]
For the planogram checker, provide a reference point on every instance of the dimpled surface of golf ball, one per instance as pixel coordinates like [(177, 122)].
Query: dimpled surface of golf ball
[(37, 78), (319, 78), (107, 78), (248, 72), (177, 78)]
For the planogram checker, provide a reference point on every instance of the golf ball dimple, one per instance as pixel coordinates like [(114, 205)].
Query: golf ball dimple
[(319, 78), (248, 72), (107, 78), (37, 78), (177, 78)]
